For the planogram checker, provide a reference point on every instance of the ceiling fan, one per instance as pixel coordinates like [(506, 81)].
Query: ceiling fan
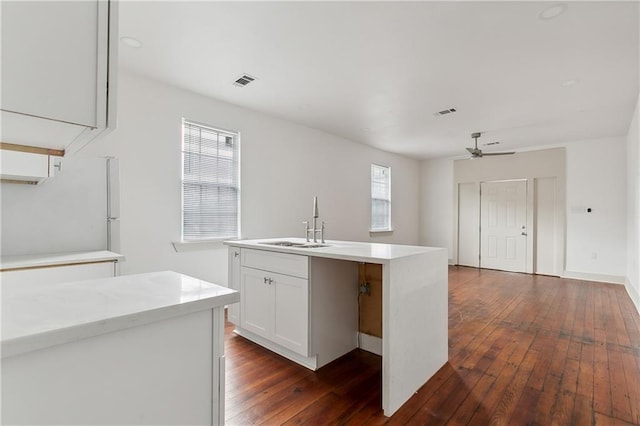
[(477, 153)]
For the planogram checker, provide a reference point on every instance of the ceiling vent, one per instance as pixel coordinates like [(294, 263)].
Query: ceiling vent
[(243, 80), (444, 112), (491, 143)]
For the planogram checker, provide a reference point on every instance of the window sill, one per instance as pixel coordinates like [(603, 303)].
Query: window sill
[(380, 232), (187, 246)]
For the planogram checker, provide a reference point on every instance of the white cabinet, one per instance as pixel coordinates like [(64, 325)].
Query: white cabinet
[(276, 307), (59, 274), (274, 301), (59, 62), (55, 268), (233, 311), (25, 166), (301, 307)]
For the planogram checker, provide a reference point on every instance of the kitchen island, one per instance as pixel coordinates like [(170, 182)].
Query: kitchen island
[(134, 349), (300, 300)]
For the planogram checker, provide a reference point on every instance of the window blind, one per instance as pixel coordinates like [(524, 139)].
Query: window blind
[(210, 184), (380, 198)]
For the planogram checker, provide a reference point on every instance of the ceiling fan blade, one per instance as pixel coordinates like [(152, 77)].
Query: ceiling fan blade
[(497, 153), (471, 150)]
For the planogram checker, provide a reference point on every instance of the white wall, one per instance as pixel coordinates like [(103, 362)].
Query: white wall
[(633, 208), (66, 213), (595, 176), (436, 204), (283, 166)]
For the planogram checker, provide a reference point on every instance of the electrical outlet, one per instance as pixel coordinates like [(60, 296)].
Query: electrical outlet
[(365, 288)]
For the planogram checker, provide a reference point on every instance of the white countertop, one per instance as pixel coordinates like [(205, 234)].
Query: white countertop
[(43, 315), (8, 263), (344, 250)]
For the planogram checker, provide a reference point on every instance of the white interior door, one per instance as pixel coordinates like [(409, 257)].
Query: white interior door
[(503, 219)]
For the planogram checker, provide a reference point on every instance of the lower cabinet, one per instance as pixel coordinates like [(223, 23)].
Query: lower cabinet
[(60, 274), (301, 307), (276, 307), (233, 310)]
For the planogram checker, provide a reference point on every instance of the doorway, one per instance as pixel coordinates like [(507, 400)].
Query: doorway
[(539, 176), (503, 225)]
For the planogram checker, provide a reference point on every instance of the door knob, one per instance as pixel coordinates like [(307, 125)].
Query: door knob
[(523, 233)]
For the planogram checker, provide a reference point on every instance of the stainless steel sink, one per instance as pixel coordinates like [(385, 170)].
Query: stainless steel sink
[(282, 243), (293, 245)]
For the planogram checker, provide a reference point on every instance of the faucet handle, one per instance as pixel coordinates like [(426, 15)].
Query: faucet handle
[(306, 229), (322, 232)]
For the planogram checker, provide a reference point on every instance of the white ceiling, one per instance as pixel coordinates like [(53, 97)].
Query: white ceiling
[(376, 72)]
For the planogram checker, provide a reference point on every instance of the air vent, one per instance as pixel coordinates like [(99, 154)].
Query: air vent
[(491, 143), (444, 112), (244, 80)]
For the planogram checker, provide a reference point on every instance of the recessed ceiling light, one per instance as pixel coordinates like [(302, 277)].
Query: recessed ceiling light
[(131, 42), (569, 83), (553, 11)]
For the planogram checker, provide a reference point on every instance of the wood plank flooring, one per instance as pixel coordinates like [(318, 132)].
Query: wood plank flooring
[(523, 350)]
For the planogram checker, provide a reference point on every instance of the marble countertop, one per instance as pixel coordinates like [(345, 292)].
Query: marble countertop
[(344, 250), (8, 263), (38, 316)]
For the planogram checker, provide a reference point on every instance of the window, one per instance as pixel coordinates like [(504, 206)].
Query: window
[(380, 198), (210, 183)]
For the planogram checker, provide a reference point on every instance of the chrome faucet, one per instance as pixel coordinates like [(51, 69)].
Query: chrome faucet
[(314, 231)]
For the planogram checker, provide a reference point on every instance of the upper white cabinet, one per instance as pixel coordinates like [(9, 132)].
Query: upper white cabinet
[(59, 63), (25, 167)]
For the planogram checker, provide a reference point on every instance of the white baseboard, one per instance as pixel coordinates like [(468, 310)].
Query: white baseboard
[(602, 278), (633, 294), (370, 343), (310, 362)]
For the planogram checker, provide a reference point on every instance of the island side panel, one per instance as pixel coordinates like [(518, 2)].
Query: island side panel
[(415, 324), (218, 365), (158, 373), (333, 308)]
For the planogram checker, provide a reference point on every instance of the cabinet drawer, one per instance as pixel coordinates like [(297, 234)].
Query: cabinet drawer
[(282, 263)]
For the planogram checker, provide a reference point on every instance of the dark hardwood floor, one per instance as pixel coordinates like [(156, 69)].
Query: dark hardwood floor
[(523, 349)]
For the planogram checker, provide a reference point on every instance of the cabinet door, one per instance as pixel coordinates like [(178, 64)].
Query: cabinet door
[(233, 310), (49, 66), (256, 302), (291, 313)]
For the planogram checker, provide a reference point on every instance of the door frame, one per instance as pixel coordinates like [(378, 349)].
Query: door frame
[(531, 223)]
